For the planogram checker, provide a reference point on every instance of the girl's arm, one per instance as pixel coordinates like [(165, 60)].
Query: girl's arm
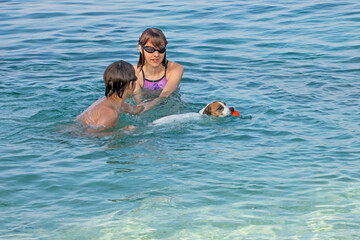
[(173, 79)]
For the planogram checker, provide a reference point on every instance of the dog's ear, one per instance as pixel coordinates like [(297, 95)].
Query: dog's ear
[(207, 110)]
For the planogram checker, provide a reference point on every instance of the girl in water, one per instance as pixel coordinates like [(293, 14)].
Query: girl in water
[(153, 71)]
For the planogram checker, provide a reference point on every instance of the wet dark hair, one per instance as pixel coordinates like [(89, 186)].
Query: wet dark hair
[(157, 38), (117, 77)]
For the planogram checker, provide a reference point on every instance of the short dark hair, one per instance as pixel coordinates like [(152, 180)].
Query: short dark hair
[(117, 77), (157, 38)]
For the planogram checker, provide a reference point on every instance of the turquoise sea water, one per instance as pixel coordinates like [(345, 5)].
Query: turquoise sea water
[(287, 169)]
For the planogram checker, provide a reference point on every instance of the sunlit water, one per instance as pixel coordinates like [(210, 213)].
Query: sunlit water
[(288, 168)]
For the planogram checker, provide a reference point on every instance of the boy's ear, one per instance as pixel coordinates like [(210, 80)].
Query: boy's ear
[(109, 89), (131, 85), (134, 84)]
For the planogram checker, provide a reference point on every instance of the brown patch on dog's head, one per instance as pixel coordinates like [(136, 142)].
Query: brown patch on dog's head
[(215, 109)]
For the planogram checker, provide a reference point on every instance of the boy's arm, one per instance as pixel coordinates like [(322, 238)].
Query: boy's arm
[(149, 105), (132, 109), (137, 96), (141, 108)]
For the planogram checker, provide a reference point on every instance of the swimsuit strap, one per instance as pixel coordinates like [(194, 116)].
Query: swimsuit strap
[(145, 79)]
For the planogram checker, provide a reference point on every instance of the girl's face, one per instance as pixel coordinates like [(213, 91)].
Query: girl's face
[(153, 56)]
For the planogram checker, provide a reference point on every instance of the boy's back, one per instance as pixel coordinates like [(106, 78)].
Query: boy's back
[(101, 114)]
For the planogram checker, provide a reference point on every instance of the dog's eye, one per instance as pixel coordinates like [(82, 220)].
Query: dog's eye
[(220, 108)]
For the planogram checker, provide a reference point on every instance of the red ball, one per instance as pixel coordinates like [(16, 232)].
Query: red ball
[(236, 113)]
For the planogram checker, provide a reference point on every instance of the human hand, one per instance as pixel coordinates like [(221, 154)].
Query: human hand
[(129, 128)]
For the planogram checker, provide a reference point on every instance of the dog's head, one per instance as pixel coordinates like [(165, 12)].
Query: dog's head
[(217, 109)]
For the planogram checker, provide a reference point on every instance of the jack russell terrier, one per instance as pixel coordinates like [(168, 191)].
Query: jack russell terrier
[(217, 109)]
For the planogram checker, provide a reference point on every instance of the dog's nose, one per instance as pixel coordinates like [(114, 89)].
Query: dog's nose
[(231, 109)]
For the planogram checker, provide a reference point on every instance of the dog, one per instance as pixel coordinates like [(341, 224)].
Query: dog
[(216, 109)]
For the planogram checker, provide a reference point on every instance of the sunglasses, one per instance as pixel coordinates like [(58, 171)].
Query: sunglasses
[(150, 49)]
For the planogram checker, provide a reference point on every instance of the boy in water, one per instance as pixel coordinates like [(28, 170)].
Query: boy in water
[(120, 81)]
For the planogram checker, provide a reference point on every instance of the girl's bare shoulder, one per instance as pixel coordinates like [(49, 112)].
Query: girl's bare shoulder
[(175, 67)]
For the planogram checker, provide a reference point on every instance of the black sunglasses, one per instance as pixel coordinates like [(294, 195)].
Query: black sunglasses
[(150, 49)]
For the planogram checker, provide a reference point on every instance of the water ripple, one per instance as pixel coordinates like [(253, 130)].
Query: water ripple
[(286, 168)]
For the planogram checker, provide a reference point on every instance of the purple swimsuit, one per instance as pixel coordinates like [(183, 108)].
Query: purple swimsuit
[(154, 84)]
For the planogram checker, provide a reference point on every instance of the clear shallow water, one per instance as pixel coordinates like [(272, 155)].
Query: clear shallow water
[(288, 169)]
